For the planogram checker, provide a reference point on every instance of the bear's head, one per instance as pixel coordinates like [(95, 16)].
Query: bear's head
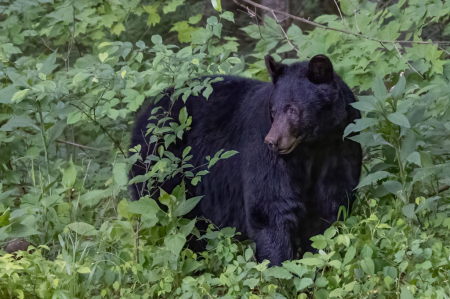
[(307, 101)]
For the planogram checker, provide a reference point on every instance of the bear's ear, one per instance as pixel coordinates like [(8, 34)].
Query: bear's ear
[(320, 69), (275, 69)]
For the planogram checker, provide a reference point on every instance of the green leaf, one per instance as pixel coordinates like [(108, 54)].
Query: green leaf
[(84, 270), (9, 48), (175, 243), (104, 44), (195, 19), (248, 254), (228, 15), (336, 292), (49, 64), (304, 283), (186, 206), (139, 57), (55, 131), (74, 117), (185, 230), (277, 272), (336, 264), (145, 205), (393, 186), (364, 106), (399, 119), (216, 4), (117, 29), (349, 255), (4, 219), (319, 242), (156, 39), (6, 94), (69, 175), (414, 157), (120, 174), (389, 271), (18, 96), (153, 16), (372, 178), (312, 261), (228, 154), (321, 294), (21, 121), (359, 125), (81, 77), (93, 197), (186, 151), (103, 56), (368, 266), (183, 115), (406, 293), (172, 5), (330, 233), (207, 92), (82, 228), (122, 209), (251, 282), (379, 89), (408, 211), (367, 252), (398, 89)]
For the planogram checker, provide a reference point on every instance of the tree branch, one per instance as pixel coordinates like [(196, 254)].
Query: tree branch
[(103, 129), (303, 20), (79, 145)]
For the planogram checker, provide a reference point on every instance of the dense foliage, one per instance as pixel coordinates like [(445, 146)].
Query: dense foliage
[(72, 75)]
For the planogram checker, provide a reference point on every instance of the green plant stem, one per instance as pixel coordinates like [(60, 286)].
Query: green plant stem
[(44, 139)]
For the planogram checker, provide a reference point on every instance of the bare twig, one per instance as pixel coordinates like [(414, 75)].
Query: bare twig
[(103, 129), (287, 38), (406, 61), (340, 13), (303, 20), (79, 145), (442, 189), (356, 22)]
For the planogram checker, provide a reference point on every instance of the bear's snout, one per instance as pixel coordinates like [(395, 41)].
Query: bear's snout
[(271, 143)]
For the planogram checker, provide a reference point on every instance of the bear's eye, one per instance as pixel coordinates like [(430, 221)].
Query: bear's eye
[(292, 111)]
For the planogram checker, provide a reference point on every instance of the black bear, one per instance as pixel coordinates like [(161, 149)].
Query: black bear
[(293, 170)]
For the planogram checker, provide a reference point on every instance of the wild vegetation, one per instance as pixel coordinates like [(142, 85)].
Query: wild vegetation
[(72, 76)]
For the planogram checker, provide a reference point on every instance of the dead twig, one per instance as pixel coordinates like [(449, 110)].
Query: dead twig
[(79, 145), (287, 38), (406, 61)]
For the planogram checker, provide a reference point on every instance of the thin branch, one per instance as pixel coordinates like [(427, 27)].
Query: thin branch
[(287, 38), (303, 20), (442, 189), (356, 22), (340, 13), (406, 61), (103, 129), (79, 145)]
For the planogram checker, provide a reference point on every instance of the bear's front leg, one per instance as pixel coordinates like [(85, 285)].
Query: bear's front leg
[(271, 229), (273, 245)]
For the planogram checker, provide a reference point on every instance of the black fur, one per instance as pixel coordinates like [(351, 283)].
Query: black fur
[(279, 201)]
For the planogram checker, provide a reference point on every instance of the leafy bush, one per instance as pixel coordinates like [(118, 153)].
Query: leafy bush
[(73, 75)]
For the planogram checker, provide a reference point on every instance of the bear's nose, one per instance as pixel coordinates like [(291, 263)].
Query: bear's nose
[(272, 144)]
